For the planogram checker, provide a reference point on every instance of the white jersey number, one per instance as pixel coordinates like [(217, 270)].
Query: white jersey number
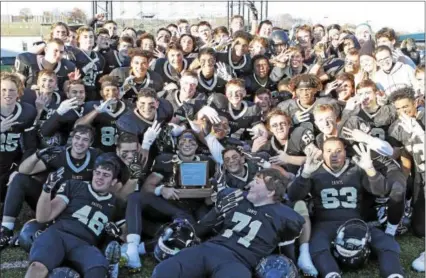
[(96, 223), (330, 200), (9, 141), (243, 221)]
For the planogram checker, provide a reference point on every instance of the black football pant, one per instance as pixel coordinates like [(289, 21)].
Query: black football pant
[(382, 245), (143, 203), (205, 260), (22, 188), (418, 216), (397, 182)]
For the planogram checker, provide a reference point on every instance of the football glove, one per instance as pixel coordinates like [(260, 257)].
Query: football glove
[(135, 167), (52, 180), (48, 154), (228, 202)]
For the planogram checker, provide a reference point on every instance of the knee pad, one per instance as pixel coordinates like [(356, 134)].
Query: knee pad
[(301, 208)]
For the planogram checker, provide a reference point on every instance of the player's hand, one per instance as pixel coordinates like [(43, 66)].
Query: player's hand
[(144, 154), (222, 71), (256, 132), (210, 113), (100, 17), (41, 100), (170, 193), (300, 117), (112, 230), (410, 125), (48, 154), (158, 54), (355, 135), (352, 103), (7, 123), (170, 86), (52, 180), (135, 167), (228, 202), (331, 87), (75, 75), (312, 163), (150, 135), (67, 105), (105, 106), (281, 159), (177, 129), (363, 160), (128, 82), (258, 143)]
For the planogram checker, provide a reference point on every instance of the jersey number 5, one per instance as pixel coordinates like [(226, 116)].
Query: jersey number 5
[(9, 142), (96, 223), (242, 221), (330, 200)]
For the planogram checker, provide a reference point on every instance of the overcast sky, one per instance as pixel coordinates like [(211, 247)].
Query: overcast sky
[(402, 16)]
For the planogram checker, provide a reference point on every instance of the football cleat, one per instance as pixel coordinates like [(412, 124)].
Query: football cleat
[(5, 236), (112, 254), (419, 263), (130, 258)]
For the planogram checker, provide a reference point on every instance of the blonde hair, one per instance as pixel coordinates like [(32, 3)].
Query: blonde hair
[(13, 77)]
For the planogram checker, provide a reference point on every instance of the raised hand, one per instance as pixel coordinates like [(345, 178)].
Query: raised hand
[(150, 135), (228, 202), (52, 180), (105, 106), (410, 125), (7, 123), (222, 71), (48, 154), (300, 117), (312, 163), (210, 113), (136, 167), (363, 160), (67, 105)]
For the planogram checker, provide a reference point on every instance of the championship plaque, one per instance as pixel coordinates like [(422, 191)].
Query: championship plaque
[(194, 180)]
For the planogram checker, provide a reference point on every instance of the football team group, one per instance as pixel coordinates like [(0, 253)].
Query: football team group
[(312, 141)]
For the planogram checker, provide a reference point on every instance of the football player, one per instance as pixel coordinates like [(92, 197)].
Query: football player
[(260, 77), (146, 120), (81, 210), (336, 185), (103, 116), (305, 87), (120, 57), (18, 138), (204, 34), (90, 63), (29, 64), (137, 76), (371, 120), (171, 67), (63, 118), (409, 131), (238, 56), (248, 233), (263, 99), (46, 100), (77, 162)]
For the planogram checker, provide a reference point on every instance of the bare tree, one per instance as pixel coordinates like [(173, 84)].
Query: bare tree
[(77, 15), (47, 16)]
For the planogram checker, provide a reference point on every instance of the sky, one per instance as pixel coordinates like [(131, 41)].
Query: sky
[(402, 16)]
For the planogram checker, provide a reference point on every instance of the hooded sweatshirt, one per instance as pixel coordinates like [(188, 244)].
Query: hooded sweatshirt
[(400, 75)]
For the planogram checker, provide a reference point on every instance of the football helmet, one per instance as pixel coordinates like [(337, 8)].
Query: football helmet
[(63, 272), (173, 238), (276, 266), (30, 231), (351, 245), (278, 38)]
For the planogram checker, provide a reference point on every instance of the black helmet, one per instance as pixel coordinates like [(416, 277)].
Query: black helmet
[(174, 237), (351, 245), (30, 231), (276, 266), (279, 37)]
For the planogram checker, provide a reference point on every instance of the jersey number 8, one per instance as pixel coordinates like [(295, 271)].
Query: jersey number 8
[(96, 223), (108, 136)]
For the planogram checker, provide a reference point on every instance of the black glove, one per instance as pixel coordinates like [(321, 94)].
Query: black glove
[(253, 9), (112, 230), (135, 167), (48, 154), (52, 180), (228, 202)]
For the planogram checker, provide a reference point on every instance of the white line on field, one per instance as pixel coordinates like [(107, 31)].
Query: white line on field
[(13, 265)]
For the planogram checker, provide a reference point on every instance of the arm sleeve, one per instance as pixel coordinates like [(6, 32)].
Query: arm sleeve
[(51, 125), (215, 148), (375, 185), (299, 188)]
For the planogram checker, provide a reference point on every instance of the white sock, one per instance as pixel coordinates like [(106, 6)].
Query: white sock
[(408, 203), (304, 248), (141, 249), (391, 229), (9, 225), (133, 239)]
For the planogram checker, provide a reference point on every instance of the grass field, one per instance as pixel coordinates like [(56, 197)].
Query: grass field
[(410, 248)]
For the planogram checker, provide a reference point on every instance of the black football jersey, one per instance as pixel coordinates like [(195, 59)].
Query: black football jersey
[(91, 68), (62, 124), (113, 61), (240, 120), (29, 65), (45, 141), (241, 69), (152, 80), (76, 169), (337, 196), (413, 145), (173, 98), (165, 70), (105, 125), (19, 138), (233, 181), (86, 213), (299, 139), (292, 106), (381, 163), (253, 84), (164, 164), (213, 85), (254, 232)]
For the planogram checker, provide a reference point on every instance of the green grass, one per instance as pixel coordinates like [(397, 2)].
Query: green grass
[(410, 249)]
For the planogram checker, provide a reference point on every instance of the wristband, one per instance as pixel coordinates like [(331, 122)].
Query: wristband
[(157, 190)]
